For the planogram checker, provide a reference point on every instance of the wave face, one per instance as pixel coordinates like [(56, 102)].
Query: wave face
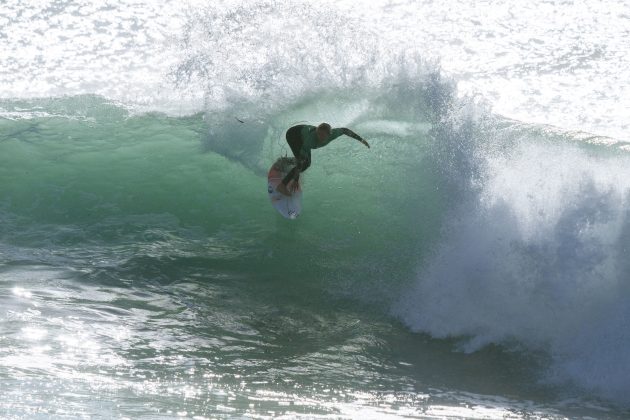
[(503, 240)]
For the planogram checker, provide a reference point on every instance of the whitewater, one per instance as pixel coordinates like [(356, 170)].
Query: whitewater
[(472, 264)]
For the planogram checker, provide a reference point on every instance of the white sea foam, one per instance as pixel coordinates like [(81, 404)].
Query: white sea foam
[(540, 62), (537, 256)]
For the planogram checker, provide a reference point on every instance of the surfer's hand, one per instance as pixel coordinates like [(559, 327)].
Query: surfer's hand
[(366, 143)]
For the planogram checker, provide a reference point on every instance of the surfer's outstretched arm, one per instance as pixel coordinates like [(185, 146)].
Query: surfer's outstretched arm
[(355, 136)]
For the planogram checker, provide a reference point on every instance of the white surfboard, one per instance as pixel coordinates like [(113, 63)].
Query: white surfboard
[(288, 206)]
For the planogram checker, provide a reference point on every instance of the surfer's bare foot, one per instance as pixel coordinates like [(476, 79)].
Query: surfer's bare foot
[(282, 189)]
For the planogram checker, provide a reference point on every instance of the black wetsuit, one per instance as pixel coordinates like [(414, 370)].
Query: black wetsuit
[(294, 138), (302, 138)]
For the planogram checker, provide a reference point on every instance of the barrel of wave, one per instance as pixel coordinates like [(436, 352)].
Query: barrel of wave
[(289, 207)]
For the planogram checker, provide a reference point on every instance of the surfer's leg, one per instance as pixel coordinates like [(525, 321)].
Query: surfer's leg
[(302, 164), (305, 163), (293, 174), (294, 138)]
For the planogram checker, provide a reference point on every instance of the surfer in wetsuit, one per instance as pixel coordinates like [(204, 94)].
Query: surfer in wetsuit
[(303, 138)]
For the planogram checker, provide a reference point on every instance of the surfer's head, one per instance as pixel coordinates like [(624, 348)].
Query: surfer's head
[(323, 131)]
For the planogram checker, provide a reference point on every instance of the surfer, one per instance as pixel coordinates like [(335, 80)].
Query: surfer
[(302, 138)]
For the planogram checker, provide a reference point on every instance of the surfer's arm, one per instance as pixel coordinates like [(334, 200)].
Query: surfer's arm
[(355, 136)]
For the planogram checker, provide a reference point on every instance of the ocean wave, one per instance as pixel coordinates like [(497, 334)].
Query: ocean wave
[(517, 232), (532, 251)]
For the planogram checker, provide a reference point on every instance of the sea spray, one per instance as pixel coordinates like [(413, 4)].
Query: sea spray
[(533, 255)]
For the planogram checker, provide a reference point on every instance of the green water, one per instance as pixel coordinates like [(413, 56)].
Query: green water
[(79, 174), (145, 275)]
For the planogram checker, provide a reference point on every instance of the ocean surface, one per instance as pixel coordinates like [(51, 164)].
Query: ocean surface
[(472, 264)]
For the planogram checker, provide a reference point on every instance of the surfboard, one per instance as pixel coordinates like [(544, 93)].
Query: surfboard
[(289, 207)]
